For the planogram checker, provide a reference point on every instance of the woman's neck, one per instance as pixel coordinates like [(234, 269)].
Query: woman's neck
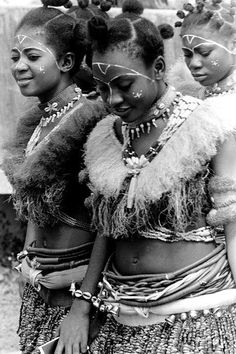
[(223, 86), (50, 94)]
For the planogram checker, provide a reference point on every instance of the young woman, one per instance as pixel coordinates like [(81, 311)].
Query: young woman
[(208, 43), (43, 164), (162, 173)]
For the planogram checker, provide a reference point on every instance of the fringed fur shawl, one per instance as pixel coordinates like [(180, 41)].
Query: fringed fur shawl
[(40, 180), (172, 173)]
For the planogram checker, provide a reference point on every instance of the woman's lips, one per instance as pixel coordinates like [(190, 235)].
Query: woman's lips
[(199, 77), (23, 82), (121, 111)]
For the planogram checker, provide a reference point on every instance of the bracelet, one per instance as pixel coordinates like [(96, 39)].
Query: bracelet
[(87, 296), (94, 300)]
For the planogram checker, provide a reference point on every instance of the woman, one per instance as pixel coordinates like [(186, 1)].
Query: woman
[(43, 163), (208, 39), (155, 164)]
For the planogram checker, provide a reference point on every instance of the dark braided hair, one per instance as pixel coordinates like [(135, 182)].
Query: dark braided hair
[(216, 15), (130, 33), (62, 32), (85, 10)]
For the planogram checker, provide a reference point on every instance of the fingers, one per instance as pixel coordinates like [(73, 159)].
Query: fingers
[(84, 342)]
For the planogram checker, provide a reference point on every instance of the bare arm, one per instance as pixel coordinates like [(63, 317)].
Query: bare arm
[(30, 237), (225, 165), (74, 329)]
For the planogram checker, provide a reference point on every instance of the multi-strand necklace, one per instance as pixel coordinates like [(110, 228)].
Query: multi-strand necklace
[(44, 121), (135, 164)]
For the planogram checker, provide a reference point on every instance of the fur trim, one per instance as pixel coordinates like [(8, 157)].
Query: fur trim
[(192, 146), (40, 180), (222, 216), (219, 184), (173, 182)]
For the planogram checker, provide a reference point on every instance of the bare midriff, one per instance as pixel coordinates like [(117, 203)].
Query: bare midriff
[(149, 256), (59, 236)]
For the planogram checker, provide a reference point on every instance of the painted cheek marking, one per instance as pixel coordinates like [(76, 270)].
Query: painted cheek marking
[(215, 62), (42, 69), (138, 94)]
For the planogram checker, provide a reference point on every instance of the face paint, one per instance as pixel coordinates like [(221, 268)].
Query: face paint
[(126, 84), (191, 39), (24, 40), (215, 62), (107, 73), (138, 94), (34, 65), (210, 60), (42, 68)]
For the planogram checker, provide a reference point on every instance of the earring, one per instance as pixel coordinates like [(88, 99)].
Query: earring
[(157, 74)]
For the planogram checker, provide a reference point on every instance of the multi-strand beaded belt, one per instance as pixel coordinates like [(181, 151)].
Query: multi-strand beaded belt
[(56, 259), (206, 276), (203, 234)]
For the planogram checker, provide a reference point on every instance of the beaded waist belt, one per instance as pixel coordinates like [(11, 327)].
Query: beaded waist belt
[(206, 276), (54, 268), (203, 234), (49, 260)]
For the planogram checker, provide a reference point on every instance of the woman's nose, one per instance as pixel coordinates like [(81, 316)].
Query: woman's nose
[(21, 65), (114, 97), (195, 62)]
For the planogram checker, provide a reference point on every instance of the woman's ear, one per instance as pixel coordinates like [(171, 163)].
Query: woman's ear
[(160, 67), (67, 62)]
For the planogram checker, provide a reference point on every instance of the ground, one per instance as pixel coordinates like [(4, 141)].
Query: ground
[(9, 311)]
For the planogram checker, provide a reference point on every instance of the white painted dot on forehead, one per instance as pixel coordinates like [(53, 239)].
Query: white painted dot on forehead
[(191, 37)]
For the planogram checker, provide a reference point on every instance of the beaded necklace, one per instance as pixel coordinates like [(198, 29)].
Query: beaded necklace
[(134, 163), (160, 110), (44, 121)]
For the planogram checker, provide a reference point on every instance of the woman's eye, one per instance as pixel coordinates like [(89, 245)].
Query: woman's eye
[(125, 87), (33, 57), (187, 54), (14, 59), (102, 89), (205, 54)]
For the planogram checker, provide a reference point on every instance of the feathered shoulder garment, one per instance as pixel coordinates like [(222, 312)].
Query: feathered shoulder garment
[(40, 179), (184, 156)]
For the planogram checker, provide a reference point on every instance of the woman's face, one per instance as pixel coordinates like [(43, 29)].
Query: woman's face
[(126, 85), (34, 65), (208, 55)]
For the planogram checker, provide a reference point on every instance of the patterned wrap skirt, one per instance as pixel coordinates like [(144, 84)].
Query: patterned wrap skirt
[(38, 320), (191, 312)]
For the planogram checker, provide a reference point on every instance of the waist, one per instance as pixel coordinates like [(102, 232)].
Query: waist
[(208, 275), (154, 256)]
